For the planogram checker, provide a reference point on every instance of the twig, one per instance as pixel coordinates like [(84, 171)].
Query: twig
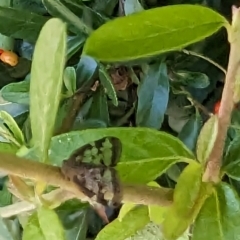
[(212, 170), (68, 121), (205, 58), (36, 171)]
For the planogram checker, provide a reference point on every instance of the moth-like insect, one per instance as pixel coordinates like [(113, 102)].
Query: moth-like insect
[(91, 167)]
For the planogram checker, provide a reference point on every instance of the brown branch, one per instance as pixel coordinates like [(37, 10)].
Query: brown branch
[(139, 194), (212, 171), (68, 121)]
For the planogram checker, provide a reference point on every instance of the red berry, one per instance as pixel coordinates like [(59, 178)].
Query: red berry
[(1, 51), (217, 106)]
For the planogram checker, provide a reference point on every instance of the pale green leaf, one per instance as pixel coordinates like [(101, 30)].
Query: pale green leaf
[(126, 207), (107, 84), (189, 196), (46, 82), (16, 92), (50, 224), (220, 216), (12, 125), (70, 79), (135, 220), (132, 6), (152, 32), (207, 139), (32, 229), (4, 231)]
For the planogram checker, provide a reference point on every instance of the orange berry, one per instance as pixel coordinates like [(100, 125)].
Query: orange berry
[(217, 106), (9, 58)]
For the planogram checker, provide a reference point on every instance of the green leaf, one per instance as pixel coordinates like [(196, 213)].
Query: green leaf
[(70, 79), (153, 93), (231, 162), (220, 215), (132, 6), (104, 6), (107, 84), (126, 207), (207, 139), (21, 24), (46, 82), (8, 147), (85, 71), (152, 32), (190, 131), (13, 127), (16, 92), (5, 196), (74, 222), (135, 220), (4, 231), (50, 224), (193, 79), (189, 196), (145, 152), (57, 9), (74, 44), (32, 230), (99, 107)]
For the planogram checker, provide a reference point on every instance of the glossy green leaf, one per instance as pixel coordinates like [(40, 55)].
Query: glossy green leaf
[(193, 79), (99, 107), (189, 196), (32, 229), (13, 127), (138, 143), (45, 81), (20, 23), (16, 92), (231, 162), (85, 71), (58, 10), (5, 196), (50, 224), (132, 6), (106, 81), (153, 94), (69, 79), (74, 44), (207, 139), (135, 220), (152, 32), (190, 131), (146, 153), (220, 216)]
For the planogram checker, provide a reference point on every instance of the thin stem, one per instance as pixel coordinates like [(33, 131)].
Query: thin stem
[(205, 58), (212, 171)]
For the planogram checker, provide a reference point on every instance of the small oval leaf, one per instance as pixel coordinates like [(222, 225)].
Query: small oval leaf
[(207, 139)]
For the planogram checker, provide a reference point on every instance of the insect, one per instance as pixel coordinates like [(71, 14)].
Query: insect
[(91, 167), (9, 58)]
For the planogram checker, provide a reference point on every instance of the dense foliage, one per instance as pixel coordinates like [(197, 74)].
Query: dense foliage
[(146, 72)]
